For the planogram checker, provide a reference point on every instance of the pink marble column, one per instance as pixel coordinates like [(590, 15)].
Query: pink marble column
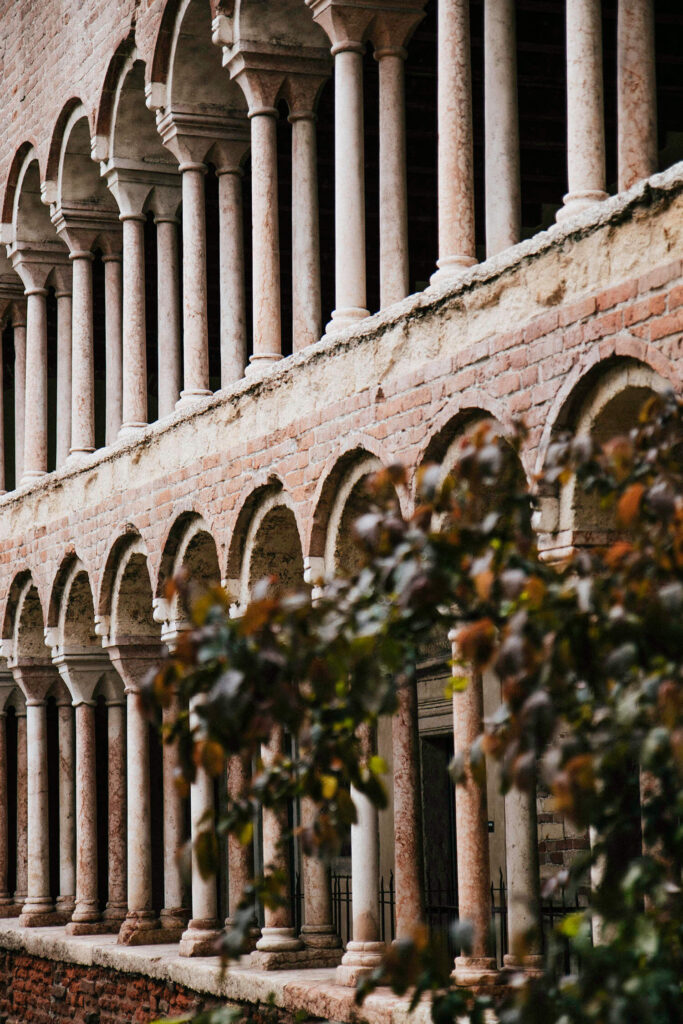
[(523, 882), (455, 155), (240, 856), (195, 324), (318, 933), (168, 315), (306, 299), (38, 907), (233, 296), (393, 183), (636, 92), (113, 328), (115, 911), (585, 110), (19, 330), (408, 862), (35, 411), (174, 915), (5, 898), (265, 239), (21, 889), (87, 912), (2, 428), (64, 319), (134, 375), (83, 356), (502, 176), (67, 809)]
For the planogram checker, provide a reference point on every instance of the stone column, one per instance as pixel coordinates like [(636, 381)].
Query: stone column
[(67, 809), (306, 298), (365, 950), (86, 916), (195, 324), (233, 296), (82, 368), (636, 92), (265, 239), (523, 882), (455, 154), (5, 898), (278, 945), (502, 176), (38, 907), (19, 331), (113, 327), (174, 914), (64, 320), (471, 830), (393, 183), (117, 906), (21, 889), (240, 856), (408, 863), (318, 933), (35, 411), (585, 110), (3, 481), (168, 314), (134, 374)]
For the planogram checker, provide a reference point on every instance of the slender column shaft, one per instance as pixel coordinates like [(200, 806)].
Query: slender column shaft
[(22, 812), (116, 756), (455, 152), (523, 880), (240, 857), (168, 315), (393, 183), (38, 899), (19, 398), (83, 366), (233, 296), (113, 326), (265, 237), (134, 376), (139, 823), (174, 896), (349, 188), (636, 91), (35, 411), (585, 111), (318, 932), (4, 837), (408, 865), (2, 430), (306, 300), (87, 906), (502, 193), (67, 810), (64, 353), (195, 324)]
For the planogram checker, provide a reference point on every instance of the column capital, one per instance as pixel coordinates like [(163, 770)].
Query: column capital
[(134, 659), (191, 137), (266, 77), (35, 679), (134, 186)]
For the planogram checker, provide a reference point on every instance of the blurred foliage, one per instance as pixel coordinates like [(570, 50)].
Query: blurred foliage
[(589, 653)]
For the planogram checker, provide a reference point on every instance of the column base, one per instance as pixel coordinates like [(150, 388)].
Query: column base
[(359, 960), (345, 317), (473, 971), (65, 905), (30, 476), (531, 965), (115, 914), (252, 938), (77, 455), (144, 929), (9, 909), (100, 927), (127, 431), (201, 938), (191, 397), (260, 363), (320, 936), (42, 919), (577, 202), (174, 918), (450, 268)]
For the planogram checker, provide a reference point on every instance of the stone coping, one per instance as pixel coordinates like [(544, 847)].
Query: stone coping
[(312, 990)]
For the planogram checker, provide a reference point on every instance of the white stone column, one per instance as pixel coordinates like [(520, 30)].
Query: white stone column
[(35, 411), (87, 912), (317, 933), (134, 376), (168, 314), (19, 330), (83, 361), (38, 907), (457, 248), (117, 905), (174, 914), (67, 809), (265, 239), (21, 889), (501, 122), (64, 352), (195, 323), (394, 278), (585, 109), (233, 296), (113, 327), (523, 882), (636, 92), (306, 298)]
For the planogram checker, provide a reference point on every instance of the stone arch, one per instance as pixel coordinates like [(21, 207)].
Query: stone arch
[(28, 633), (190, 549), (76, 621), (272, 545), (30, 218), (16, 167), (288, 21), (262, 488), (57, 140), (104, 116), (131, 616), (77, 188), (132, 129)]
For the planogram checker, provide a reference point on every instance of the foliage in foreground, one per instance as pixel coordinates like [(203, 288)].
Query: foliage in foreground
[(589, 654)]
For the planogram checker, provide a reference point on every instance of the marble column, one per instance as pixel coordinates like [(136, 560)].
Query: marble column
[(83, 356), (168, 314), (365, 950), (471, 830), (86, 915), (134, 373), (113, 329), (67, 808), (5, 898), (318, 933), (306, 296), (38, 907), (231, 269), (174, 914), (408, 860), (278, 945), (35, 411), (457, 249), (3, 480), (265, 239), (585, 109), (523, 882), (501, 125), (19, 331), (636, 92), (393, 182), (240, 855), (21, 888), (64, 353), (117, 906), (195, 323)]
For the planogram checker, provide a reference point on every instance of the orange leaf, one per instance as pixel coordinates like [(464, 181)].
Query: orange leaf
[(477, 641), (629, 503), (483, 582)]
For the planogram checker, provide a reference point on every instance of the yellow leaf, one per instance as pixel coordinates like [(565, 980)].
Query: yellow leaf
[(329, 786)]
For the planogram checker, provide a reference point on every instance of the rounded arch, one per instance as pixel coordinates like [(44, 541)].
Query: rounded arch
[(58, 133), (78, 187), (104, 116), (132, 133), (356, 452), (190, 550), (125, 537), (350, 501), (18, 161), (264, 485), (271, 543), (21, 577), (73, 602), (29, 626), (30, 218), (131, 603)]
